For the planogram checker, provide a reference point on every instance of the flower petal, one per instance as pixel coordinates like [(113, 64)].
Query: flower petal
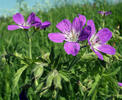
[(45, 24), (106, 49), (120, 84), (104, 35), (91, 24), (100, 56), (76, 25), (56, 37), (64, 26), (18, 18), (31, 18), (37, 19), (37, 22), (108, 13), (13, 27), (85, 33), (72, 48), (101, 12), (82, 19)]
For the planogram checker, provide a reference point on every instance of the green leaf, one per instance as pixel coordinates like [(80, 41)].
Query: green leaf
[(61, 98), (94, 95), (112, 73), (18, 74), (88, 56), (50, 79), (119, 96), (81, 88), (38, 71), (39, 87), (18, 55), (46, 56), (106, 58), (57, 81), (95, 84), (118, 56), (64, 76), (42, 93), (72, 92)]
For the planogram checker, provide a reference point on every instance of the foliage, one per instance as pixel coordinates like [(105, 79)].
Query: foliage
[(51, 74)]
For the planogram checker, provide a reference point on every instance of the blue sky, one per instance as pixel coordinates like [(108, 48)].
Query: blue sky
[(10, 6)]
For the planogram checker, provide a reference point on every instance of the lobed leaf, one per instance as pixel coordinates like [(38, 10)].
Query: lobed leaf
[(18, 74), (49, 79)]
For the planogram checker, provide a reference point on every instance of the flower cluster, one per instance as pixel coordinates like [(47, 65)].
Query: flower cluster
[(74, 32), (32, 20)]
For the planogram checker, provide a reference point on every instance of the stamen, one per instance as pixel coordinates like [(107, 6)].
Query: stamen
[(72, 37)]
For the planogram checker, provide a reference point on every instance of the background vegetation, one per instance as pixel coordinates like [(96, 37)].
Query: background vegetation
[(65, 77)]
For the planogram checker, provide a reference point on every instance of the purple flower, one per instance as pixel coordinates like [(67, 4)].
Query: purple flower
[(120, 84), (71, 33), (39, 24), (105, 13), (19, 20), (98, 41)]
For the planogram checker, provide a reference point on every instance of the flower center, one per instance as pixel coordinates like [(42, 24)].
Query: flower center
[(24, 24), (95, 40), (72, 36)]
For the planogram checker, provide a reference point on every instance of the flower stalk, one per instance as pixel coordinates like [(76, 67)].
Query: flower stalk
[(30, 52), (103, 24)]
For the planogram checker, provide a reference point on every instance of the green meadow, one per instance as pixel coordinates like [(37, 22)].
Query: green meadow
[(51, 74)]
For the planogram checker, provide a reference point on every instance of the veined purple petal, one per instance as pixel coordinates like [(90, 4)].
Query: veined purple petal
[(89, 41), (72, 48), (31, 18), (37, 19), (56, 37), (120, 84), (100, 56), (104, 35), (76, 25), (106, 49), (101, 12), (82, 19), (105, 13), (64, 26), (91, 24), (37, 22), (18, 18), (37, 25), (13, 27), (45, 24), (85, 33), (108, 13)]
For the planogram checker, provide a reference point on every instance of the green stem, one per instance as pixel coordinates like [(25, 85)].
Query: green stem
[(30, 54), (103, 23)]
